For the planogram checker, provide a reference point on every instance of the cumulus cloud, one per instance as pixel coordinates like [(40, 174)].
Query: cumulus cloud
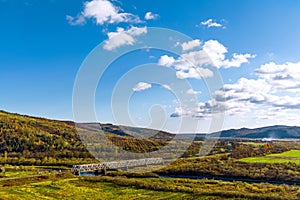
[(196, 73), (285, 102), (166, 61), (281, 76), (192, 92), (275, 89), (151, 16), (181, 112), (212, 53), (216, 52), (167, 87), (178, 64), (103, 11), (211, 23), (123, 37), (237, 60), (189, 45), (141, 86)]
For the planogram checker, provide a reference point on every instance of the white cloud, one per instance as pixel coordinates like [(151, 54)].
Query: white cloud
[(151, 16), (189, 45), (211, 23), (79, 20), (123, 37), (166, 61), (141, 86), (284, 102), (167, 87), (192, 92), (216, 52), (103, 11), (194, 58), (260, 92), (179, 64), (181, 112), (212, 53), (237, 60), (276, 115), (281, 76), (275, 90), (196, 73)]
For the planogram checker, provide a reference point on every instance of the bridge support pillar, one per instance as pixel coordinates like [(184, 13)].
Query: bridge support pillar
[(103, 171)]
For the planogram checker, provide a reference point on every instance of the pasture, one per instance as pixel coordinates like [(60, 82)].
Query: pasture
[(292, 156)]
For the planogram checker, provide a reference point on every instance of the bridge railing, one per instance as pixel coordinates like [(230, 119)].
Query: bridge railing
[(117, 164)]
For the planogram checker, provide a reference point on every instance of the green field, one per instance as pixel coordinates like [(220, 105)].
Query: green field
[(288, 154), (256, 144), (285, 157), (268, 160), (78, 189), (71, 187), (93, 188)]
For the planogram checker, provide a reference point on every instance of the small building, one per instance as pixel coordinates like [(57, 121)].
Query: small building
[(229, 146)]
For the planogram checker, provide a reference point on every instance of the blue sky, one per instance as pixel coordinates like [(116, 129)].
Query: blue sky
[(43, 44)]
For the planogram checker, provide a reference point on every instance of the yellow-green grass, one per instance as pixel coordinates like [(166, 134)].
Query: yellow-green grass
[(256, 144), (15, 173), (204, 187), (268, 160), (291, 154), (76, 188), (71, 187)]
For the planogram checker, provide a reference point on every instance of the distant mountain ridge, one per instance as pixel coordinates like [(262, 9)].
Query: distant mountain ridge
[(271, 132)]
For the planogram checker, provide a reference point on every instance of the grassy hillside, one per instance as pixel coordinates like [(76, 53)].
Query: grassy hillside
[(30, 140), (26, 140), (126, 131)]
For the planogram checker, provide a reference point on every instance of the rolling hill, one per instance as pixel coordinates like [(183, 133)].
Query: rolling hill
[(30, 140), (26, 140), (33, 140)]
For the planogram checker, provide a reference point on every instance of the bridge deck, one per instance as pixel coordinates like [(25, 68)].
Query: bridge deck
[(117, 164)]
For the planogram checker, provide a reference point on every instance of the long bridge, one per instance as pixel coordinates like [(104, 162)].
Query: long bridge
[(124, 164)]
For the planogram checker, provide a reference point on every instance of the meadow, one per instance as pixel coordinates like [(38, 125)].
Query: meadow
[(292, 156), (288, 154), (67, 186), (256, 144), (76, 188)]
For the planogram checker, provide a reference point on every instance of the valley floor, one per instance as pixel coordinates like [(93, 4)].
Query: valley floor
[(67, 186), (76, 188)]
